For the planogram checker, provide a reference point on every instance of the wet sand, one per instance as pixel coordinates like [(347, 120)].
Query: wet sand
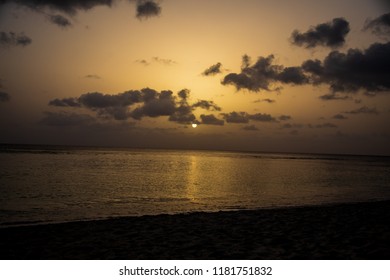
[(350, 231)]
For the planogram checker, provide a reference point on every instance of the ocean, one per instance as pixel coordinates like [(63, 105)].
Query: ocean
[(50, 184)]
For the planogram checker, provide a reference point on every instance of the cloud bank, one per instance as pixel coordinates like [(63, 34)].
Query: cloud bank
[(137, 104)]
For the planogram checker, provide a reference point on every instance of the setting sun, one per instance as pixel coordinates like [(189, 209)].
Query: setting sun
[(194, 125)]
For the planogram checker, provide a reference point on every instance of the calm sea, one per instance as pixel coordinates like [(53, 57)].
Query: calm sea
[(44, 184)]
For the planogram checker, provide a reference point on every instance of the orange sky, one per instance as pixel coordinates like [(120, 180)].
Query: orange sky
[(109, 50)]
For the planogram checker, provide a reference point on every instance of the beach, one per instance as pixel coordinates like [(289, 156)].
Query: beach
[(343, 231)]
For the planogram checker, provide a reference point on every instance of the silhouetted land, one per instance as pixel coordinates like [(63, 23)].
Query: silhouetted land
[(350, 231)]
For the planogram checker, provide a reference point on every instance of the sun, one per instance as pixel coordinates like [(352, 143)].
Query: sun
[(194, 125)]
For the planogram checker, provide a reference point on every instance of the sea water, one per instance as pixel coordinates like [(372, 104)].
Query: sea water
[(45, 184)]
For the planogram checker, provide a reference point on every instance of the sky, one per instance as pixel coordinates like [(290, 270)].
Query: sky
[(272, 76)]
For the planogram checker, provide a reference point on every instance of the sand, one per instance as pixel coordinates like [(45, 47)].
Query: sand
[(350, 231)]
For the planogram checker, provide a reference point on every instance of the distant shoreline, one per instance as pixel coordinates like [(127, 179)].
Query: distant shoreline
[(342, 231), (119, 148)]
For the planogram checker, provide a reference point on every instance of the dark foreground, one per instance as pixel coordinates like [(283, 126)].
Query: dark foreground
[(354, 231)]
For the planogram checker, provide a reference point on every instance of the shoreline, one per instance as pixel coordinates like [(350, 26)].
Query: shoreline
[(22, 224), (337, 231)]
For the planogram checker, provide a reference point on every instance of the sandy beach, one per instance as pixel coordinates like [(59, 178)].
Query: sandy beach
[(350, 231)]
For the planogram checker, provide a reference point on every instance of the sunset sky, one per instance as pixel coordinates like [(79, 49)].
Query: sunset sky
[(275, 76)]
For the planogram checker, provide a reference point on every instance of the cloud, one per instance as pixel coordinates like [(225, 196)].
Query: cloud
[(183, 114), (60, 21), (156, 59), (213, 70), (330, 34), (236, 117), (207, 105), (379, 26), (339, 117), (284, 118), (4, 97), (11, 39), (66, 119), (105, 105), (243, 117), (261, 74), (92, 76), (146, 9), (65, 102), (262, 117), (163, 60), (211, 120), (264, 100), (184, 94), (353, 71), (364, 110), (292, 75), (138, 104), (67, 6), (161, 104), (143, 61), (333, 96), (250, 128)]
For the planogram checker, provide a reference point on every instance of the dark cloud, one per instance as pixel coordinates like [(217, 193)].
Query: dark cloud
[(261, 74), (330, 34), (105, 105), (243, 117), (236, 117), (137, 104), (333, 96), (364, 110), (66, 119), (264, 100), (60, 21), (250, 128), (146, 9), (380, 25), (207, 105), (67, 6), (211, 119), (10, 39), (213, 70), (262, 117), (162, 104), (183, 114), (352, 71), (4, 97), (339, 117), (96, 100), (292, 75), (184, 94), (284, 118), (65, 102)]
